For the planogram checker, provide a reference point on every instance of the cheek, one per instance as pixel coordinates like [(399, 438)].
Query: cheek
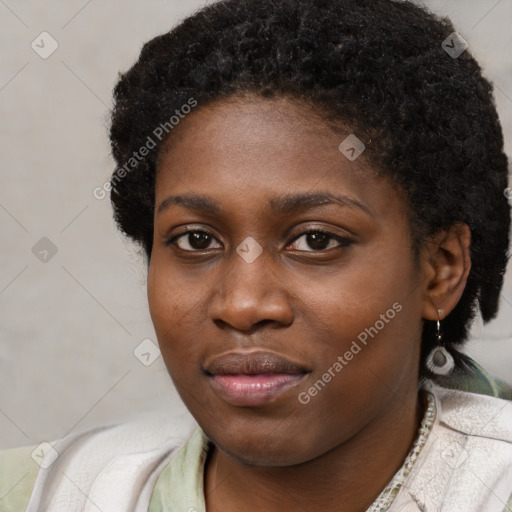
[(176, 315), (362, 363), (369, 316), (362, 294), (170, 300), (165, 307), (160, 296)]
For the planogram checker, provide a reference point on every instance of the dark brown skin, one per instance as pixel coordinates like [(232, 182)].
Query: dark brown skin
[(340, 449)]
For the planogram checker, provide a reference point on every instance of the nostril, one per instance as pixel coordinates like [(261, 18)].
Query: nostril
[(263, 322)]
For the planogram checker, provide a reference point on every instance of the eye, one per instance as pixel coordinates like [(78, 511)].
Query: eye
[(319, 240), (192, 241), (316, 239)]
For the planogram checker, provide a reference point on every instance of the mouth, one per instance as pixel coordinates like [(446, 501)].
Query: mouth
[(253, 378)]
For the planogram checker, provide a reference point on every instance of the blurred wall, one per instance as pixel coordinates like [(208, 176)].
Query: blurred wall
[(72, 293)]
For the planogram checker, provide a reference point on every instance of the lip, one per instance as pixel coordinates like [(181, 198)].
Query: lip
[(252, 378)]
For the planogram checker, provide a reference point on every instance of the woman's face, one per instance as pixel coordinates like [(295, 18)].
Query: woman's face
[(282, 344)]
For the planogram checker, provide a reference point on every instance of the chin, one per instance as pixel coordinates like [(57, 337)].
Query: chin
[(265, 448)]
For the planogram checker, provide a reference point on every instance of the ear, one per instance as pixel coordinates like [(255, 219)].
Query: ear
[(446, 260)]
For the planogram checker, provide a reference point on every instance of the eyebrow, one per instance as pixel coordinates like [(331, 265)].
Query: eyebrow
[(285, 204)]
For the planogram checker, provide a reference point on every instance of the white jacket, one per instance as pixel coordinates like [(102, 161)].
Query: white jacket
[(465, 466)]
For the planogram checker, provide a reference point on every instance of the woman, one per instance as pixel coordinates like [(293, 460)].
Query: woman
[(320, 190)]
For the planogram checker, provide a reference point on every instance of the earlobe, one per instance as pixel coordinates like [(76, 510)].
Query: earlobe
[(447, 261)]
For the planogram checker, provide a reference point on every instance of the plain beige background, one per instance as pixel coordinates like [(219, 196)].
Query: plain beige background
[(69, 325)]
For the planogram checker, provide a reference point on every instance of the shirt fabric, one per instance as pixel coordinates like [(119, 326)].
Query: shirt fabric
[(465, 465)]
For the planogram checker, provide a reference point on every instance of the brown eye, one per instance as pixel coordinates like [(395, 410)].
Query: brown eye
[(319, 240), (192, 241)]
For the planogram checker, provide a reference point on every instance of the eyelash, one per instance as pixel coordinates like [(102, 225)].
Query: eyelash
[(343, 241)]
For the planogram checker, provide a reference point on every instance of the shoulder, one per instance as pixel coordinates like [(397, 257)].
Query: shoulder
[(466, 461), (474, 414), (473, 450), (18, 472), (129, 449)]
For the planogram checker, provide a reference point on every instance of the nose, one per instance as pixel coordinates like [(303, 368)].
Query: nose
[(250, 295)]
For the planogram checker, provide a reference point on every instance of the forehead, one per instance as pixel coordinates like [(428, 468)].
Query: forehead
[(247, 148), (250, 123)]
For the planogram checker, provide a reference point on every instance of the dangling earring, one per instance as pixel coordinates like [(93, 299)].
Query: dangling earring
[(440, 361)]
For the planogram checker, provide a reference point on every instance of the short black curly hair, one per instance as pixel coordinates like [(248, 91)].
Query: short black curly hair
[(375, 66)]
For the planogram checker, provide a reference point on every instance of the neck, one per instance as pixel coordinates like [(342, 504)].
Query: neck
[(340, 476)]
